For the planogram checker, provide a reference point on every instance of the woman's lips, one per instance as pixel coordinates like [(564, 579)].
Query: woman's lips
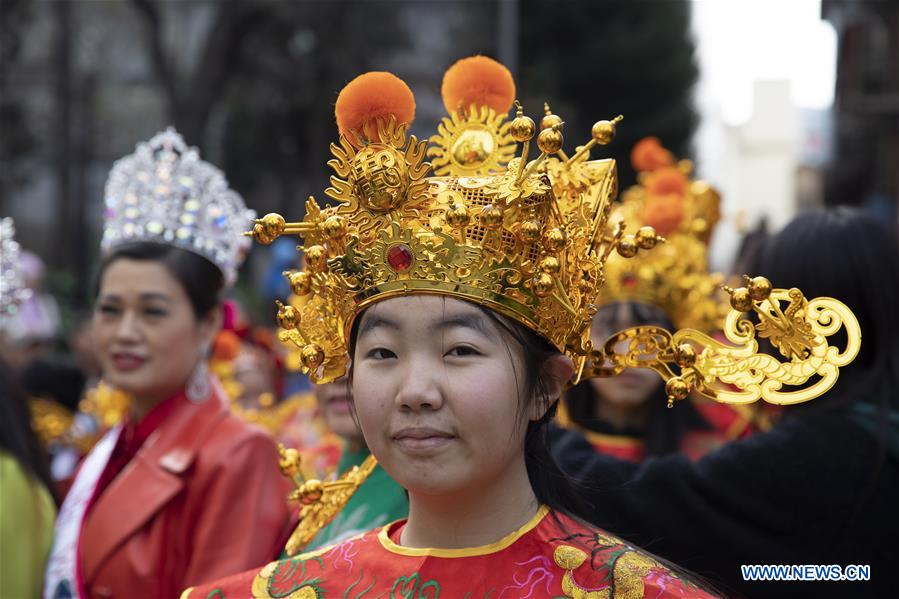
[(340, 405), (422, 441), (127, 362)]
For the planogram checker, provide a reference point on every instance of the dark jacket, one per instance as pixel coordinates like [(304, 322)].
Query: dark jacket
[(820, 488)]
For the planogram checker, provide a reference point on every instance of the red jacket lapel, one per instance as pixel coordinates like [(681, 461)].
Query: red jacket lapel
[(148, 482)]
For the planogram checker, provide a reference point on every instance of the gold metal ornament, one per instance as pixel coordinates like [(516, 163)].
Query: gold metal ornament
[(737, 371), (474, 142), (319, 501), (536, 241), (675, 275)]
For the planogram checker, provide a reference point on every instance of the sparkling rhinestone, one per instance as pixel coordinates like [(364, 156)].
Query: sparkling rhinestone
[(154, 227), (188, 219), (399, 257), (192, 205), (182, 233)]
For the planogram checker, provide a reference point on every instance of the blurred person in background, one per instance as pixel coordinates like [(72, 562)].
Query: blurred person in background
[(627, 416), (54, 387), (252, 371), (182, 490), (380, 499), (32, 330), (27, 508), (821, 487), (670, 287)]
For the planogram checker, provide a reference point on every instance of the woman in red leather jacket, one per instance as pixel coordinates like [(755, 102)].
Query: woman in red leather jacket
[(182, 491)]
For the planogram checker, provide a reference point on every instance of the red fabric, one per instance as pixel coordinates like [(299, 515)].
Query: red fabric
[(132, 438), (553, 557)]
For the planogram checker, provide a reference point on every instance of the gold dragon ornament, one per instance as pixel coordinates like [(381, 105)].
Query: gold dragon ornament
[(529, 241)]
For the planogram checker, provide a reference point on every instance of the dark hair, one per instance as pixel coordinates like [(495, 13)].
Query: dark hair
[(16, 434), (56, 379), (665, 427), (202, 280), (849, 255)]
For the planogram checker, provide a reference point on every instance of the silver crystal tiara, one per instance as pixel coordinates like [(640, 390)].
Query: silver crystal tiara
[(12, 283), (165, 193)]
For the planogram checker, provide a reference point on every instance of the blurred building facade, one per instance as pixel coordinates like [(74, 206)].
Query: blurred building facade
[(865, 165)]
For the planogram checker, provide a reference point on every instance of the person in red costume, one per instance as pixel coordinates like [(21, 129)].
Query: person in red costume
[(182, 491)]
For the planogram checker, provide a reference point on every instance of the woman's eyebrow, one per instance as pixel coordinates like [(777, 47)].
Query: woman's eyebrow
[(374, 322), (152, 295), (467, 321)]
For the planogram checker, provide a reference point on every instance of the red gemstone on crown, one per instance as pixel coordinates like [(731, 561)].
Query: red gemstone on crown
[(399, 257)]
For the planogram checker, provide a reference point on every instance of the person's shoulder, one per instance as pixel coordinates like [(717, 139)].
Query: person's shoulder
[(593, 559), (232, 441), (290, 576), (234, 431)]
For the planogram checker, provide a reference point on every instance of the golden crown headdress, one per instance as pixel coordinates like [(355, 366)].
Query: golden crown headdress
[(496, 234), (529, 239), (674, 277)]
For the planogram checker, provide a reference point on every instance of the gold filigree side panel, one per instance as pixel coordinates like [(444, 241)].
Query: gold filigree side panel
[(737, 371), (319, 501)]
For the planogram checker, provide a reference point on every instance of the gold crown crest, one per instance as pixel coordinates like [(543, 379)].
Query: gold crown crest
[(675, 277)]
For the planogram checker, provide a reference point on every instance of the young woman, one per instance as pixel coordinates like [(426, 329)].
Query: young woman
[(671, 287), (183, 490), (453, 384), (627, 416)]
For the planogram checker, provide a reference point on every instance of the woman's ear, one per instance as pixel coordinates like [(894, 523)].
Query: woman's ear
[(557, 371), (209, 326)]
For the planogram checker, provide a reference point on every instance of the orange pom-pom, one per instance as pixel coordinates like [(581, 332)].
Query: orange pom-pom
[(663, 213), (480, 81), (369, 97), (226, 346), (666, 180), (649, 154)]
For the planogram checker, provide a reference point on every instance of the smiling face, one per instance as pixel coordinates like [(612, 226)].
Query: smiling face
[(148, 340), (633, 387), (438, 386)]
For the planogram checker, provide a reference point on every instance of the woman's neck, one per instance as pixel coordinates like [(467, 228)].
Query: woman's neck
[(471, 518), (142, 406)]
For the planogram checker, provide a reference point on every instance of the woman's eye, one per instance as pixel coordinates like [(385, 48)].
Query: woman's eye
[(107, 310), (155, 312), (380, 353), (463, 350)]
